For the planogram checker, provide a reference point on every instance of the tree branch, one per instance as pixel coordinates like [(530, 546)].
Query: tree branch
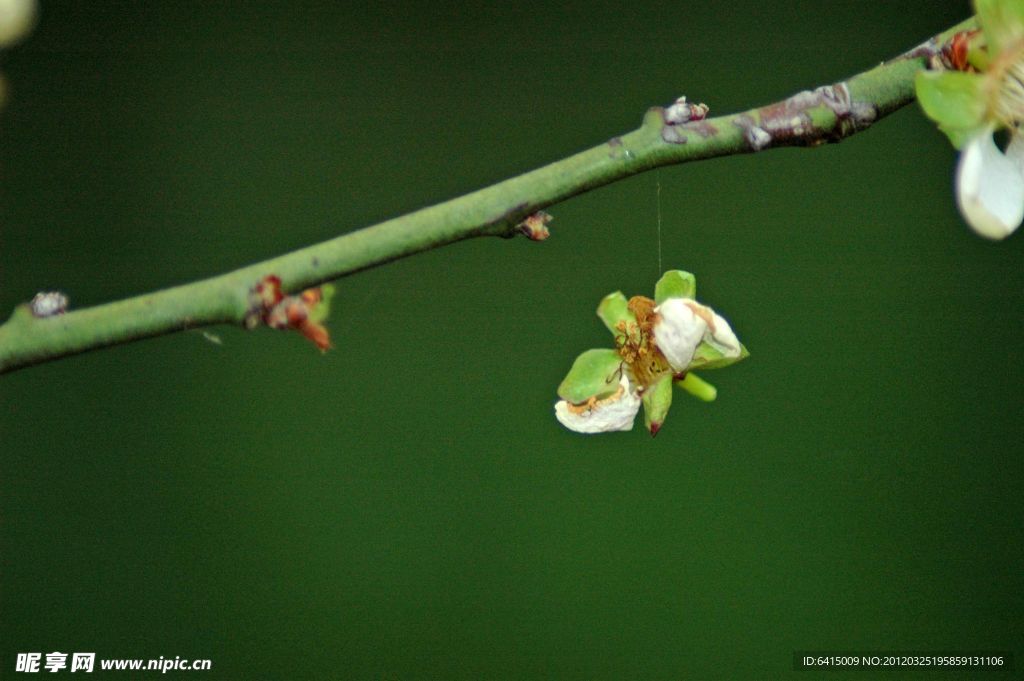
[(677, 134)]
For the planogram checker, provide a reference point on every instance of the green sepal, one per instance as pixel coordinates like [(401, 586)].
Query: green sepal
[(958, 138), (708, 356), (322, 310), (698, 387), (595, 373), (1002, 21), (613, 309), (675, 284), (657, 399), (953, 99)]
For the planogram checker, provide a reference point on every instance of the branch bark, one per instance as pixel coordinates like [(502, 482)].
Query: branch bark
[(827, 114)]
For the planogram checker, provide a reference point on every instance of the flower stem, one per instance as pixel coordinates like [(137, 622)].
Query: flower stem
[(698, 387)]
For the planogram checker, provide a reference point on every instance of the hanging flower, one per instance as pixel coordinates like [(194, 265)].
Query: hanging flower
[(657, 343), (982, 95)]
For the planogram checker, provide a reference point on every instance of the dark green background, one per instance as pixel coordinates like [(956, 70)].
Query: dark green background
[(406, 506)]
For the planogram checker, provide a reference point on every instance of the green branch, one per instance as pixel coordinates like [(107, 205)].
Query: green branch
[(677, 134)]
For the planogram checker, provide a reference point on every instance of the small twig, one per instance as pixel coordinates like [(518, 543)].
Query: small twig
[(667, 136)]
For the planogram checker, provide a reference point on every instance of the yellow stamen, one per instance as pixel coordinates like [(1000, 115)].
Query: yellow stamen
[(636, 343)]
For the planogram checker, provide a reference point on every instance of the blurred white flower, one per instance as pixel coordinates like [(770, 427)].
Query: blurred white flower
[(990, 185), (16, 19)]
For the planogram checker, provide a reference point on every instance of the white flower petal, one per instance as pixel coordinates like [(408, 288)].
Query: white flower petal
[(603, 416), (990, 186), (722, 338), (678, 331)]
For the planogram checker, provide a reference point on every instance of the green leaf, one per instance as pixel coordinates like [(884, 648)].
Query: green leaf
[(614, 308), (1002, 21), (595, 373), (698, 387), (954, 100), (675, 284), (322, 310), (656, 400), (709, 357)]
